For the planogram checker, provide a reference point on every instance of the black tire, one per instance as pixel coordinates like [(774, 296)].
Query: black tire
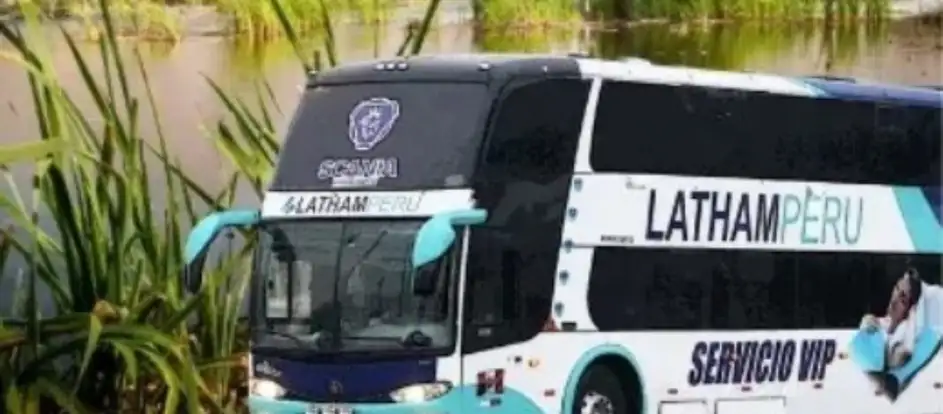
[(601, 381)]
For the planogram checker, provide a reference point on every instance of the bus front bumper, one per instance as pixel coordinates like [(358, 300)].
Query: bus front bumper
[(261, 405), (462, 400)]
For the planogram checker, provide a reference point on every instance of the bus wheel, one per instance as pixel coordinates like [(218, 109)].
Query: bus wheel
[(600, 392)]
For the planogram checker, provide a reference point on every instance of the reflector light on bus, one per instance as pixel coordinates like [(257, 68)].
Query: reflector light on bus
[(491, 380)]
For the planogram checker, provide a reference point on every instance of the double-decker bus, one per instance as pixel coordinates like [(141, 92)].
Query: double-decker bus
[(561, 234)]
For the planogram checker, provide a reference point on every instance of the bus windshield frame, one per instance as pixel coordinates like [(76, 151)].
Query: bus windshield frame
[(343, 287)]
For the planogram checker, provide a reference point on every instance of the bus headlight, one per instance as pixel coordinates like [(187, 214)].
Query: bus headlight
[(418, 393), (267, 388)]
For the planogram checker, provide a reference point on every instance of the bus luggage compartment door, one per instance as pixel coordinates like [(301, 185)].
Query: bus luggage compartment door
[(770, 405), (683, 407)]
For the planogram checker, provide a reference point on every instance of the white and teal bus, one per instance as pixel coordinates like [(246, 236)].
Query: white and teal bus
[(560, 234)]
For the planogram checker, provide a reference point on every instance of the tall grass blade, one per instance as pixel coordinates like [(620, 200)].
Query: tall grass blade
[(427, 19), (290, 34)]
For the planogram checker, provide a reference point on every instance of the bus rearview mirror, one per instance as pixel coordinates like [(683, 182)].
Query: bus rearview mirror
[(437, 234), (203, 234)]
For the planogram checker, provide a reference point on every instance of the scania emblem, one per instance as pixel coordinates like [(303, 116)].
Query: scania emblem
[(371, 121), (335, 388)]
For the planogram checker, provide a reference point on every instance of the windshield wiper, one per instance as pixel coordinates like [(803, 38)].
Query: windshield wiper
[(294, 338), (337, 279), (414, 339), (366, 254), (373, 338)]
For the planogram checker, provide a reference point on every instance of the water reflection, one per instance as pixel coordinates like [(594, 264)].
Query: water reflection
[(725, 46), (909, 53), (531, 41)]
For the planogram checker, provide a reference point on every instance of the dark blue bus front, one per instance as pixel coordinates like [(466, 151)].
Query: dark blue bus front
[(339, 323)]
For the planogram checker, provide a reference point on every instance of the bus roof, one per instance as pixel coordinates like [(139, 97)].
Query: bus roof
[(640, 70), (482, 67), (851, 89)]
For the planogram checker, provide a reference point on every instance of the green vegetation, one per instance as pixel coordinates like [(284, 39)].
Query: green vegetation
[(735, 46), (98, 234), (732, 46), (687, 10), (111, 261), (526, 14), (526, 41), (258, 20), (144, 19), (164, 20)]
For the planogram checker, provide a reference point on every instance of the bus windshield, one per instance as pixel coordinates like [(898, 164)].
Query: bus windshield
[(338, 286)]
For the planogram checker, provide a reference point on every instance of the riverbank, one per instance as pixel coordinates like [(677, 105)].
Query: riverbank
[(160, 20), (157, 20)]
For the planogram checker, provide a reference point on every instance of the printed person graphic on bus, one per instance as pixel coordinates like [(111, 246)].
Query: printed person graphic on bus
[(894, 348)]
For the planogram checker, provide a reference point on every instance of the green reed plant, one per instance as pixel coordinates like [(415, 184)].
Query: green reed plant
[(122, 337), (162, 19), (505, 13), (144, 19), (524, 40), (259, 20)]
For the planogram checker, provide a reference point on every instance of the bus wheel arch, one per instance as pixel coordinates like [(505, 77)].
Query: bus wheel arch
[(614, 359)]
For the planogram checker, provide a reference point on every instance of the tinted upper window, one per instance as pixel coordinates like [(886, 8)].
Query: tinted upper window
[(523, 182), (663, 129), (678, 289), (388, 135), (536, 131)]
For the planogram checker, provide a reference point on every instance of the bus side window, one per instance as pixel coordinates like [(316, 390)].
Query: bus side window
[(494, 297), (908, 139), (535, 134), (497, 310), (485, 304), (523, 181), (485, 295), (510, 285), (744, 134)]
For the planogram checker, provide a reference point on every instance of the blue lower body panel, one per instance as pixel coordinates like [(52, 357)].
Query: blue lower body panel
[(461, 400)]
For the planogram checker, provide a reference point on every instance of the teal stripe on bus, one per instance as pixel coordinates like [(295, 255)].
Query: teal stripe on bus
[(922, 224)]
